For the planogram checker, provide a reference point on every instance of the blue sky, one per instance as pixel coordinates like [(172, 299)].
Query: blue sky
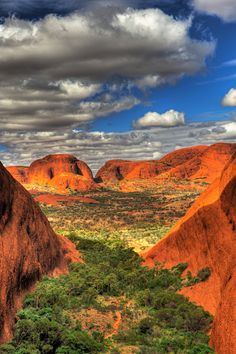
[(200, 95), (115, 79)]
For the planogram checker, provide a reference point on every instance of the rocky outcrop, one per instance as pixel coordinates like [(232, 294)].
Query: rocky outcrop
[(29, 248), (20, 173), (206, 237), (118, 170), (114, 171), (152, 169), (201, 163), (206, 166), (42, 171), (62, 172), (65, 182)]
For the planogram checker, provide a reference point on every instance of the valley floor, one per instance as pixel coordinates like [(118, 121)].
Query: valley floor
[(111, 303)]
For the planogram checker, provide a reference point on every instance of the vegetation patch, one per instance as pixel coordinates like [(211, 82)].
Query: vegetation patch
[(113, 282)]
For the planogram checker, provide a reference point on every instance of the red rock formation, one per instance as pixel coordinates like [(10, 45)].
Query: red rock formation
[(197, 162), (29, 248), (62, 172), (150, 169), (69, 181), (20, 173), (206, 237), (114, 170), (117, 170), (206, 166), (43, 170)]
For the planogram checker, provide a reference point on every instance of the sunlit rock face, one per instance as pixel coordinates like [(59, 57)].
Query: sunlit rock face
[(62, 172), (198, 162), (29, 248), (206, 237)]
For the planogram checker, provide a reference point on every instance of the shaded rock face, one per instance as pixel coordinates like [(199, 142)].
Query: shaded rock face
[(206, 237), (115, 170), (198, 162), (29, 248)]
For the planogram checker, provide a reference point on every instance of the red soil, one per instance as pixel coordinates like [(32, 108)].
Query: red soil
[(29, 248), (52, 199), (206, 237), (115, 326)]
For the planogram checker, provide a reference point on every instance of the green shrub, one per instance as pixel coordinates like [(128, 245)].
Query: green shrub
[(172, 324), (204, 274)]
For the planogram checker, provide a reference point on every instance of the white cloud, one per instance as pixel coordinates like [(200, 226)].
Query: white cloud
[(170, 118), (225, 9), (96, 47), (97, 147), (156, 155), (229, 99), (77, 89), (48, 67), (230, 130)]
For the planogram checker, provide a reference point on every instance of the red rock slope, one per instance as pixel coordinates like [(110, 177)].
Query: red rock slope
[(198, 162), (60, 171), (29, 248), (206, 166), (20, 173), (117, 170), (206, 237)]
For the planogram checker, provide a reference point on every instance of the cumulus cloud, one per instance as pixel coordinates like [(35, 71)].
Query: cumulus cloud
[(57, 71), (130, 44), (170, 118), (77, 89), (225, 9), (32, 106), (229, 99)]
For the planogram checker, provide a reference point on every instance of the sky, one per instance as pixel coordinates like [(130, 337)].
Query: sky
[(115, 79)]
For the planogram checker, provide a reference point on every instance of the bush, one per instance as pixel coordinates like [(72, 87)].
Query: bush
[(204, 274), (146, 325), (172, 324)]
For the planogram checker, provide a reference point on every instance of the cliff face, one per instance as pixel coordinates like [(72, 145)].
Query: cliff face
[(114, 170), (206, 237), (198, 162), (207, 166), (65, 172), (61, 171), (117, 170), (28, 248), (44, 170)]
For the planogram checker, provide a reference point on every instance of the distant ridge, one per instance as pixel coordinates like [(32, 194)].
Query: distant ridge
[(65, 172)]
